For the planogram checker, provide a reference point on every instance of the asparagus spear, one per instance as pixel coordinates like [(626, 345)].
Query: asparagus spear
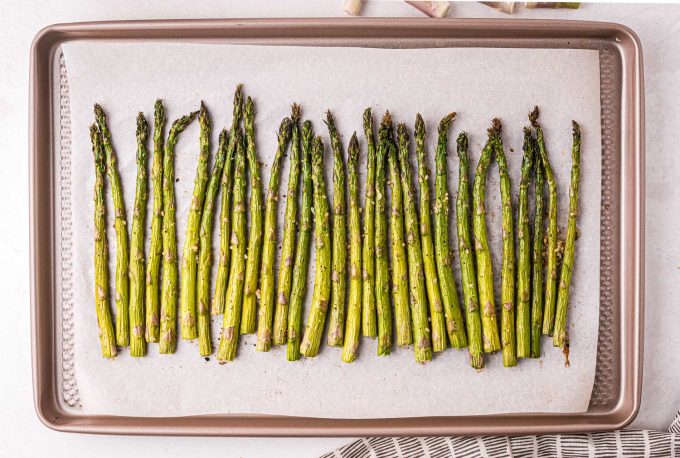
[(225, 209), (467, 263), (301, 265), (524, 255), (187, 299), (267, 284), (508, 265), (443, 250), (107, 338), (205, 247), (137, 342), (339, 257), (400, 292), (550, 283), (122, 248), (537, 258), (421, 330), (322, 276), (288, 244), (233, 301), (153, 265), (353, 321), (416, 275), (368, 314), (560, 335), (484, 268), (168, 331), (256, 225)]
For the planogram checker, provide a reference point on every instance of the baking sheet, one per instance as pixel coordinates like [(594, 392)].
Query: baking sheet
[(477, 83)]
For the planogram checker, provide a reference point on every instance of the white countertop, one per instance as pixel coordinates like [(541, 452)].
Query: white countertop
[(21, 434)]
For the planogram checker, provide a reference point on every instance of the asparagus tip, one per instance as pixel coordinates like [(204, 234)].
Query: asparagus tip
[(99, 112), (142, 126), (496, 127), (368, 116), (576, 128), (533, 116), (446, 122), (353, 150), (223, 137), (296, 113), (462, 141), (330, 120), (307, 132), (527, 131), (420, 125), (387, 119), (402, 132), (159, 110)]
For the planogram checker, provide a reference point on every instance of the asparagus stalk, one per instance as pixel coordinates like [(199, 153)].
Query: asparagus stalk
[(551, 280), (267, 284), (187, 299), (137, 341), (524, 255), (368, 314), (467, 263), (107, 338), (301, 265), (219, 295), (339, 257), (256, 225), (443, 250), (233, 301), (400, 291), (537, 258), (120, 225), (152, 292), (491, 339), (416, 275), (508, 264), (168, 331), (205, 247), (353, 321), (322, 276), (560, 334), (288, 244)]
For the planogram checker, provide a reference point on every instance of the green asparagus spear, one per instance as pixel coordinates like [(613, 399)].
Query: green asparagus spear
[(267, 284), (416, 275), (233, 301), (168, 331), (187, 299), (322, 276), (353, 321), (443, 250), (484, 268), (205, 247), (524, 255), (400, 290), (137, 342), (288, 244), (301, 265), (219, 295), (153, 265), (255, 232), (508, 264), (339, 258), (368, 314), (467, 263), (122, 248), (537, 257), (560, 335), (551, 280), (107, 338)]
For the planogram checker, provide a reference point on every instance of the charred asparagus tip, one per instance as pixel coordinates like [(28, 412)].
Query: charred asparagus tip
[(330, 120), (576, 128), (387, 119), (527, 131), (141, 126), (445, 123), (99, 111), (533, 117), (462, 141), (496, 127), (420, 125), (353, 145), (296, 112)]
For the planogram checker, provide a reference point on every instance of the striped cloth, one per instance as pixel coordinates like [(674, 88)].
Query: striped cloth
[(631, 443)]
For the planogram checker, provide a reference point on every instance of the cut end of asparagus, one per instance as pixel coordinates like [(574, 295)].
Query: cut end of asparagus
[(533, 116), (446, 122), (386, 120), (420, 126), (462, 141), (296, 113), (477, 361), (142, 127), (353, 150)]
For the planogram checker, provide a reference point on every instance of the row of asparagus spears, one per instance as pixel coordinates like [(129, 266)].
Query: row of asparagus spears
[(364, 285)]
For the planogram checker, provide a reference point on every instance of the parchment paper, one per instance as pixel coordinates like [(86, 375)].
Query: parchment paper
[(477, 83)]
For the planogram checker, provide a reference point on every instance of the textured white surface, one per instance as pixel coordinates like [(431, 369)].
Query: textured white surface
[(658, 27), (565, 83)]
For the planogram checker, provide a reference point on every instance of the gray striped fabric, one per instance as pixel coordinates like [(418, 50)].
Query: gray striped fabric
[(623, 443)]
